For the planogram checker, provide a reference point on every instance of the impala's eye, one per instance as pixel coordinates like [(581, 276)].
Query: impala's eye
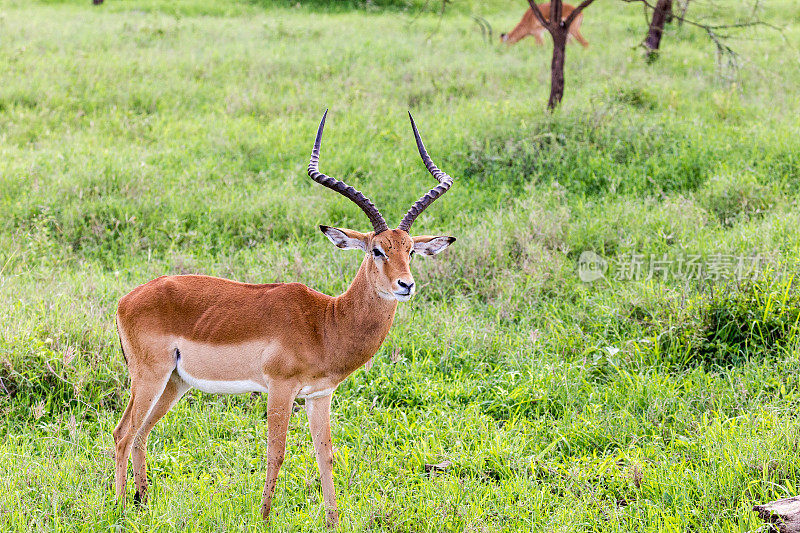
[(377, 253)]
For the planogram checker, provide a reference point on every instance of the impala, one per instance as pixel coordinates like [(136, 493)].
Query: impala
[(284, 339), (530, 25)]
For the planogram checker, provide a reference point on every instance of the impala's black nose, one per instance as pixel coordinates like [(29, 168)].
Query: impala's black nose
[(405, 285)]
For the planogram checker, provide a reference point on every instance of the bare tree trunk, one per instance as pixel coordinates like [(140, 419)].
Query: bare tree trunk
[(557, 68), (558, 29), (661, 13)]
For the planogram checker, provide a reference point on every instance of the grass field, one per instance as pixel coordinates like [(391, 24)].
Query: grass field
[(145, 138)]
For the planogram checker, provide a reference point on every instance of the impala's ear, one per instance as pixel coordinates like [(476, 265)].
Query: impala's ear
[(427, 245), (346, 239)]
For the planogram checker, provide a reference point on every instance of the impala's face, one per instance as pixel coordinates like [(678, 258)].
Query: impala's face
[(389, 255)]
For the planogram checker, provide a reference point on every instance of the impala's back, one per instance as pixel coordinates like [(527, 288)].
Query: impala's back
[(221, 335)]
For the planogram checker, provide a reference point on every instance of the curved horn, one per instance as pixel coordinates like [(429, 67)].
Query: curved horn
[(378, 223), (427, 199)]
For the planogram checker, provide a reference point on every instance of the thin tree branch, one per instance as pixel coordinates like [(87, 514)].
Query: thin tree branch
[(702, 26), (419, 13), (577, 11), (716, 36), (538, 14), (755, 8), (556, 11), (684, 9)]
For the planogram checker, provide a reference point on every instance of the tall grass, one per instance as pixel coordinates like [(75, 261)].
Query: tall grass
[(144, 138)]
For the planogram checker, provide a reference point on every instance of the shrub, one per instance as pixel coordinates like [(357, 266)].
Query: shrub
[(736, 198), (729, 327)]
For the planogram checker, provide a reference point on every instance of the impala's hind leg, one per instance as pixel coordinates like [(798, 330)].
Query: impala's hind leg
[(173, 391), (580, 38), (575, 31), (122, 427), (146, 388)]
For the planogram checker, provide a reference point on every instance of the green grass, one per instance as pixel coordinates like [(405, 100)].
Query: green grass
[(145, 138)]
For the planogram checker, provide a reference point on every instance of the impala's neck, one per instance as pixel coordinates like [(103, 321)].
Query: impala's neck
[(358, 322)]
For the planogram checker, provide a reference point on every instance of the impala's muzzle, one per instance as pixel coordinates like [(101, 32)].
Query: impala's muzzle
[(405, 289), (503, 37)]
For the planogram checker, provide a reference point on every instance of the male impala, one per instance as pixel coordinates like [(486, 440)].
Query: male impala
[(530, 25), (222, 336)]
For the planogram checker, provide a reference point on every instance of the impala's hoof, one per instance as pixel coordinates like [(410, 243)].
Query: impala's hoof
[(139, 499), (332, 519)]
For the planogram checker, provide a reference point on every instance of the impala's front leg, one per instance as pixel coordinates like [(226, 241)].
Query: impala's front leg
[(319, 422), (279, 409)]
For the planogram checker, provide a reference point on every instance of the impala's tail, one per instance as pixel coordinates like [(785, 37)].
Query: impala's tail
[(122, 348)]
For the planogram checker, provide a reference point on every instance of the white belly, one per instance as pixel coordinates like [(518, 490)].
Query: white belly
[(222, 369), (214, 386), (234, 369)]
